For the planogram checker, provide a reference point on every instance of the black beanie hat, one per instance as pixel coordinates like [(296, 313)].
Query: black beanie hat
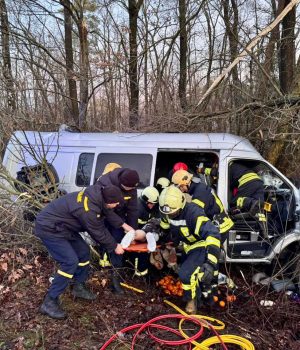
[(129, 178), (112, 194)]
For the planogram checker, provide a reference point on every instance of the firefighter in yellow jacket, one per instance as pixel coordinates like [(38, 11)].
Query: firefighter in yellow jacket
[(188, 223)]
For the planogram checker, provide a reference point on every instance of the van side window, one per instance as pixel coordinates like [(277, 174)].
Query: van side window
[(84, 169), (142, 163)]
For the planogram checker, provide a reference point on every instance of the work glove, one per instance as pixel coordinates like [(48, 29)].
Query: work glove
[(152, 225), (208, 273), (151, 241), (127, 239)]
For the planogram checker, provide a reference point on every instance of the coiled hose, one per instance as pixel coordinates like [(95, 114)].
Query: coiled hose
[(199, 320)]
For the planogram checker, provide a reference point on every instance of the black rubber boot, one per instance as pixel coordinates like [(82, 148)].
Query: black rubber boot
[(51, 307), (81, 291), (115, 284)]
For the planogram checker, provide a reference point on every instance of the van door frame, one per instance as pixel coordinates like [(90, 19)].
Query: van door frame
[(225, 158)]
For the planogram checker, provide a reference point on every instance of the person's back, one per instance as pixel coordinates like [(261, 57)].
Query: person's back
[(247, 187), (57, 214), (63, 215), (203, 196), (237, 171)]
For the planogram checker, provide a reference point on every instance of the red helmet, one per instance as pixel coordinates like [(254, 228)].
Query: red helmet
[(180, 166)]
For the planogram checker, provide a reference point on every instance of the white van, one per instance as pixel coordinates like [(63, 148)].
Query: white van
[(79, 158)]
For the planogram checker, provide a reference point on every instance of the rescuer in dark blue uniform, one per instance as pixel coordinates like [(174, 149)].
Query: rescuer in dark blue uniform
[(58, 226), (188, 223), (125, 217), (205, 198), (250, 188)]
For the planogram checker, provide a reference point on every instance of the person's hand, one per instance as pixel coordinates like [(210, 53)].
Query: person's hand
[(208, 273), (119, 250)]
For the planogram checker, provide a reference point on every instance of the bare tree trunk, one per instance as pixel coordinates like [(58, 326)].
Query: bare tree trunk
[(84, 68), (7, 73), (73, 104), (232, 34), (146, 63), (286, 75), (210, 47), (287, 50), (133, 10), (269, 52), (182, 54)]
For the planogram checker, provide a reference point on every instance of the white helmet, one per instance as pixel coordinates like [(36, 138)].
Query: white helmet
[(150, 195), (162, 183)]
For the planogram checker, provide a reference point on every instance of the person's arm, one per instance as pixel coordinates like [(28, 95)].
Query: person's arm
[(132, 210), (94, 225), (114, 219)]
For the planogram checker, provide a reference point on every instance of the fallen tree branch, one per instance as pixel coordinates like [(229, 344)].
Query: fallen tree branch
[(252, 43)]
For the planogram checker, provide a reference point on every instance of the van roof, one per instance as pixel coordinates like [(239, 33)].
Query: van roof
[(211, 141)]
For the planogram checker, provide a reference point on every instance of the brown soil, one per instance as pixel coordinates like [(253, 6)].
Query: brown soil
[(89, 325)]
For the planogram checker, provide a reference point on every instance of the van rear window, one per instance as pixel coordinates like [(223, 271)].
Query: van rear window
[(84, 169), (142, 163)]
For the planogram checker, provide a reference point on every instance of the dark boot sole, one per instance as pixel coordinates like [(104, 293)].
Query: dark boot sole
[(55, 318), (83, 298)]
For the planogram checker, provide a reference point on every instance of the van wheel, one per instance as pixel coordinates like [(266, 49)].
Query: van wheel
[(287, 264)]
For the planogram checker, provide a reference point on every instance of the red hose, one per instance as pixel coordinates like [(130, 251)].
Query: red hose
[(170, 342), (151, 324)]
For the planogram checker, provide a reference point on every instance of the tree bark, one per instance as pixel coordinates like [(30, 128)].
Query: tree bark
[(84, 69), (133, 11), (268, 64), (286, 75), (232, 34), (182, 54), (7, 72), (68, 41), (287, 50)]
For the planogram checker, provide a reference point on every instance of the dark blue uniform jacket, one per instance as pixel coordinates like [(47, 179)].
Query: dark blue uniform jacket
[(128, 210), (73, 213)]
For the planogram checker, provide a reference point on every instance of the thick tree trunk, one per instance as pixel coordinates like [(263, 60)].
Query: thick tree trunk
[(286, 76), (182, 54), (133, 11), (232, 34), (287, 50), (73, 103), (7, 73), (268, 64), (84, 70)]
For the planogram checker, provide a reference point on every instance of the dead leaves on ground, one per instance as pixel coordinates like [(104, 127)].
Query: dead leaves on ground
[(15, 265)]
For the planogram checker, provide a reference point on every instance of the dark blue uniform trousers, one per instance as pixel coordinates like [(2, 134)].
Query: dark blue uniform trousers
[(118, 234), (189, 271), (73, 256)]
